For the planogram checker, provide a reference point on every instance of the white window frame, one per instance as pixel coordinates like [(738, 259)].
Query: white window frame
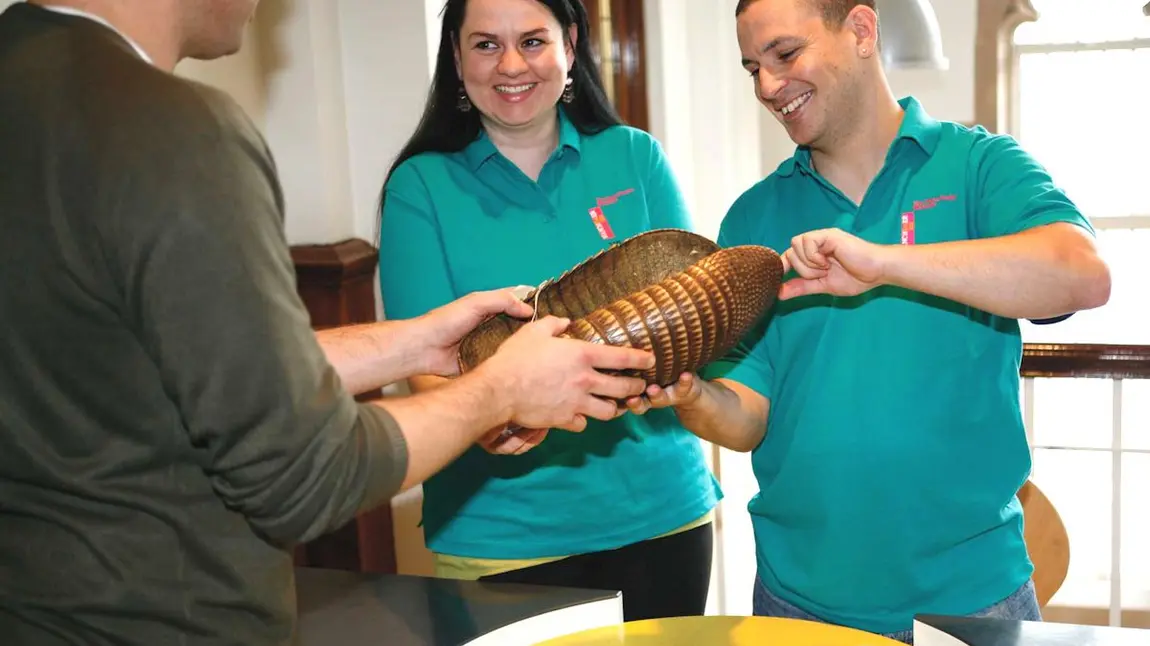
[(1116, 448)]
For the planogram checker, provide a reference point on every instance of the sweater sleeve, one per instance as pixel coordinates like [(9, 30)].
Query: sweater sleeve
[(209, 288)]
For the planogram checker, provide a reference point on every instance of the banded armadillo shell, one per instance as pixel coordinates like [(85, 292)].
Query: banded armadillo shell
[(669, 291), (692, 317)]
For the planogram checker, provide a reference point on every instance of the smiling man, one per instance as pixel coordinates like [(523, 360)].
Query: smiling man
[(880, 398)]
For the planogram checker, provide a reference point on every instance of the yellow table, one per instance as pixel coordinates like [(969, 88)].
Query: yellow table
[(722, 631)]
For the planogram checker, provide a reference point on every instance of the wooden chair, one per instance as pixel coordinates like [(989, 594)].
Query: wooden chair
[(1046, 541)]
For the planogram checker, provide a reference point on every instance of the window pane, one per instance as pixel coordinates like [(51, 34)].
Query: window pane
[(1076, 413), (1135, 546), (1097, 149), (1087, 21), (1125, 319), (1136, 423), (1078, 484)]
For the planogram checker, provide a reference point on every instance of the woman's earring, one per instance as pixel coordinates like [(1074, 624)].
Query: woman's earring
[(569, 91), (464, 103)]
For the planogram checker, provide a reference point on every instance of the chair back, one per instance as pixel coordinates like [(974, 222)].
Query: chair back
[(1047, 541)]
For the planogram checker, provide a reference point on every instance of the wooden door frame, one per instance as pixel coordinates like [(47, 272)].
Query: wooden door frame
[(628, 45)]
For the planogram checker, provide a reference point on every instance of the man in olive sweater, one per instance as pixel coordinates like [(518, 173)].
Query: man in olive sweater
[(169, 423)]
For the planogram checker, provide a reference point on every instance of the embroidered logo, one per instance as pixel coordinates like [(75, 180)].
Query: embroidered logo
[(919, 205), (601, 223), (599, 219)]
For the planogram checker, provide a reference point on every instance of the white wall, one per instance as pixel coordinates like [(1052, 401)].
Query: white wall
[(337, 85), (241, 76)]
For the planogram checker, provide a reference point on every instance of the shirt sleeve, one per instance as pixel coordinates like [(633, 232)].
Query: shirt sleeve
[(413, 272), (749, 362), (209, 289), (1015, 193), (665, 202)]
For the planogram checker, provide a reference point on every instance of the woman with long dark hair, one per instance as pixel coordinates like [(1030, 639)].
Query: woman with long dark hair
[(518, 170)]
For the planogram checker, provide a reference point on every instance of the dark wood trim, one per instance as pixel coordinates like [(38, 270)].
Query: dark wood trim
[(337, 285), (628, 53), (1086, 361), (631, 72), (337, 281)]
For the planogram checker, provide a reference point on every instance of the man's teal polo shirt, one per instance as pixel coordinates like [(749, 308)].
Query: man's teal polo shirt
[(895, 443), (457, 223)]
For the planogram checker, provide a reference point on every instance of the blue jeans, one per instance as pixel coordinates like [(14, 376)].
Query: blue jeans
[(1022, 604)]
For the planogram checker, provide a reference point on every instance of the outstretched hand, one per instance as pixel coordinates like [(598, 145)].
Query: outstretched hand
[(683, 392), (555, 382), (831, 261), (441, 329)]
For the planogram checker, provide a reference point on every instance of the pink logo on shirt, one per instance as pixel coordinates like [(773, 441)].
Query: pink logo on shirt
[(599, 219), (907, 236)]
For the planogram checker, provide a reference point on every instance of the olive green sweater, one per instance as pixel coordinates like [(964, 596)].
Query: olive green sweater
[(169, 426)]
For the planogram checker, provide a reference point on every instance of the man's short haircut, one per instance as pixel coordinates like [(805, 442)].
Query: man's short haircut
[(833, 12)]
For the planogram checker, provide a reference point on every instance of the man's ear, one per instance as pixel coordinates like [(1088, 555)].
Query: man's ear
[(863, 23)]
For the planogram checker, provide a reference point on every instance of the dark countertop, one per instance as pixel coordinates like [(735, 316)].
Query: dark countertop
[(1003, 632), (338, 608)]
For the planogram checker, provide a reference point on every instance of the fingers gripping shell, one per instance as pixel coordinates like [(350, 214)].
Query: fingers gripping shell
[(669, 291), (692, 317)]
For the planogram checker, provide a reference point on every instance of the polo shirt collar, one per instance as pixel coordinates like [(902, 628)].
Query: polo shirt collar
[(483, 149), (917, 126)]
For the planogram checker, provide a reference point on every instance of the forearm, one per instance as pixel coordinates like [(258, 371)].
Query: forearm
[(727, 413), (371, 355), (440, 422), (1036, 274)]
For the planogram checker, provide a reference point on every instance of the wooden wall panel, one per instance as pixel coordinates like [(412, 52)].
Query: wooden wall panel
[(337, 285), (622, 55)]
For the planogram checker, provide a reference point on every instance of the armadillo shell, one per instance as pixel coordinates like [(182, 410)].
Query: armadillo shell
[(670, 291), (690, 318), (613, 273)]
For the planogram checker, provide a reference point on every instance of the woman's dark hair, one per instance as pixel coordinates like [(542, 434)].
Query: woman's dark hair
[(443, 128)]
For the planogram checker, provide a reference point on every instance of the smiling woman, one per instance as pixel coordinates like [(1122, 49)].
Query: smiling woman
[(509, 72), (520, 170)]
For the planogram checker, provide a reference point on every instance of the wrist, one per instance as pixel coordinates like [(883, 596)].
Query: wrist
[(414, 354), (696, 410), (890, 260), (494, 391)]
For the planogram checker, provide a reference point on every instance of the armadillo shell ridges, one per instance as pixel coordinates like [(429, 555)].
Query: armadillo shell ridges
[(669, 291), (690, 318)]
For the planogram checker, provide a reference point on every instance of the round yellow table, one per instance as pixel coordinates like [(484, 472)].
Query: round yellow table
[(722, 631)]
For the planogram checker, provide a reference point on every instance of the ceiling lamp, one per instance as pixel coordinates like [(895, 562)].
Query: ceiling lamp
[(910, 36)]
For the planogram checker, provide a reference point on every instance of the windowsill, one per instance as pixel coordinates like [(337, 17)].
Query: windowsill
[(1096, 595)]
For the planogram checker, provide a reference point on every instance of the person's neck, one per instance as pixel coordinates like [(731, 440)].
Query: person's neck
[(152, 24), (527, 147), (855, 155)]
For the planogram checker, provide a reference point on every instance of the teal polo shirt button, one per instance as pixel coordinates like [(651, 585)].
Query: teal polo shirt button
[(460, 222), (895, 446)]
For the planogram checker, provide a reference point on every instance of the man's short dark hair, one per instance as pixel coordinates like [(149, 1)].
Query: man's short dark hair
[(833, 12)]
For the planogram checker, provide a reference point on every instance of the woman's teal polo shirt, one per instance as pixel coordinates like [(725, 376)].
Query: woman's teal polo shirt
[(467, 221), (895, 443)]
